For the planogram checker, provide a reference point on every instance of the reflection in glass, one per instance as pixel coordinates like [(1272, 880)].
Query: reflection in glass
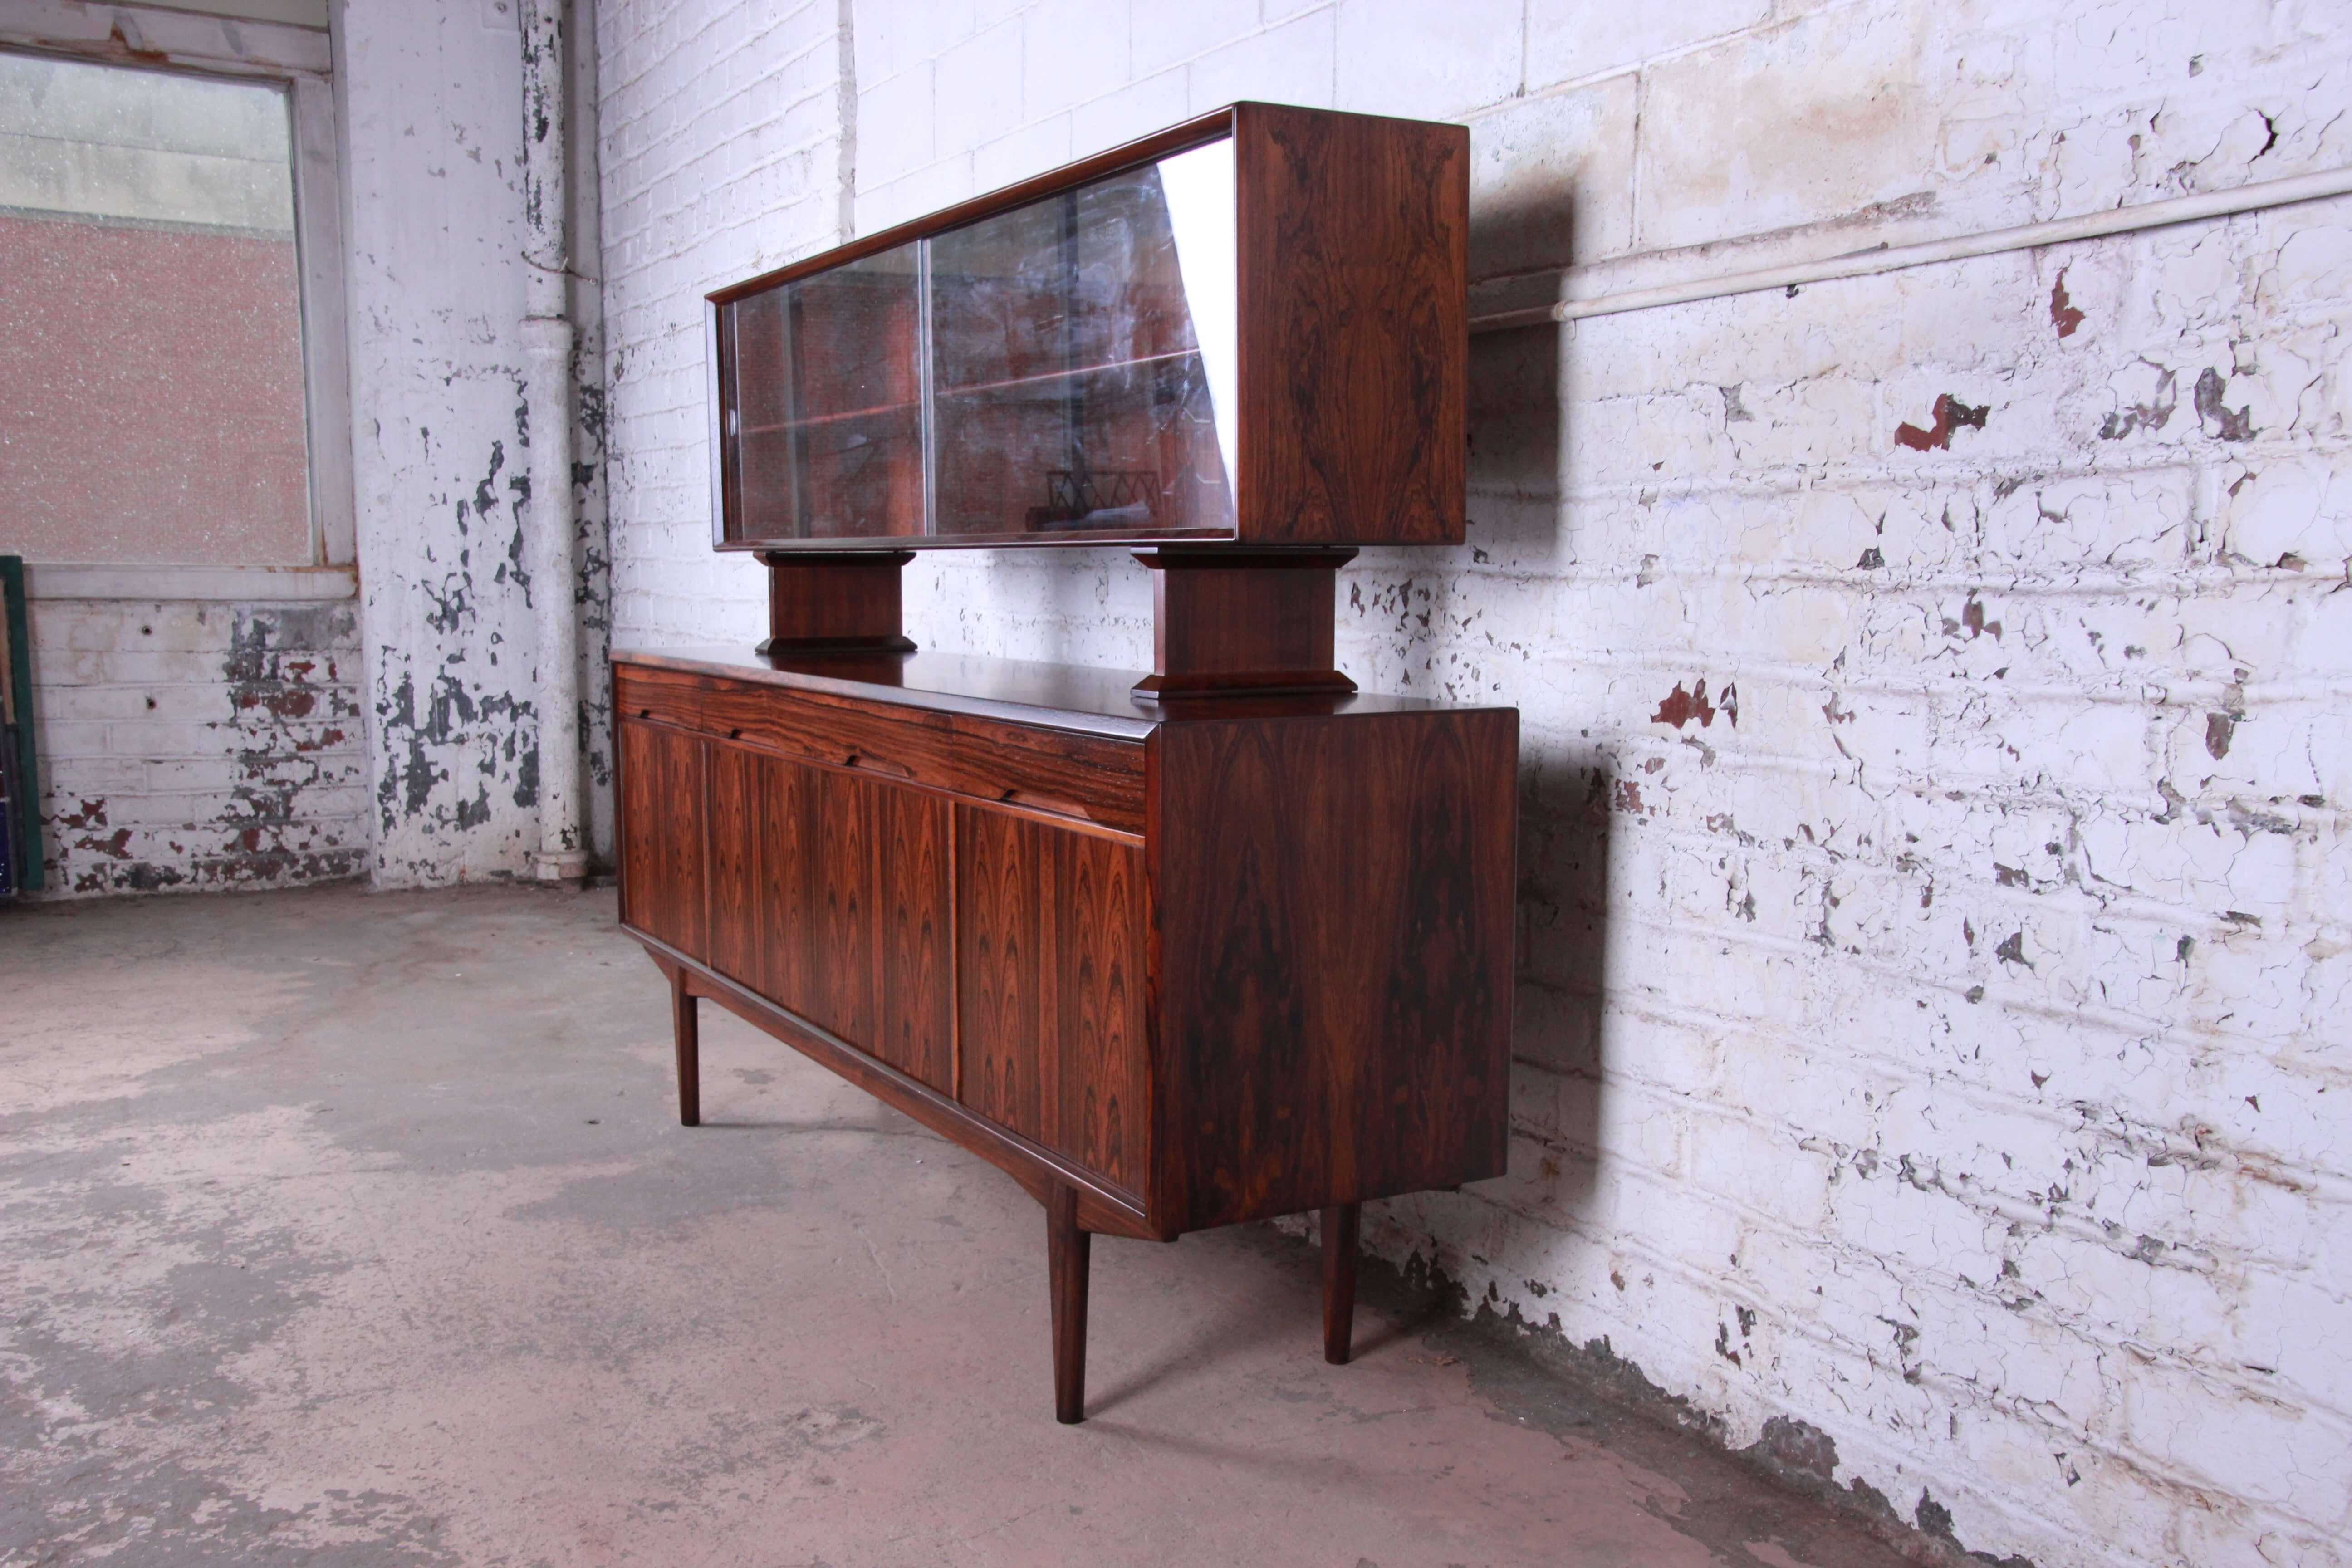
[(1072, 388), (825, 432)]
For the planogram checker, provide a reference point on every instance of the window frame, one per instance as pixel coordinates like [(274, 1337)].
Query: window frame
[(203, 45)]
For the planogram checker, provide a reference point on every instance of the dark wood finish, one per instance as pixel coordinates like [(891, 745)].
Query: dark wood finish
[(685, 1032), (1333, 900), (1287, 989), (1035, 1168), (661, 795), (1355, 340), (1319, 901), (1053, 773), (1341, 1225), (1049, 958), (836, 601), (1068, 1252), (1098, 781), (1253, 621), (1352, 331), (829, 894), (915, 908), (1066, 700), (1168, 962)]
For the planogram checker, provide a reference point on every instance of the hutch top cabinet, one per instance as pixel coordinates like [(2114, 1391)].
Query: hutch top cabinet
[(1250, 327)]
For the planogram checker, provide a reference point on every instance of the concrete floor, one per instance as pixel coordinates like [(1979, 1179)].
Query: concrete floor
[(340, 1229)]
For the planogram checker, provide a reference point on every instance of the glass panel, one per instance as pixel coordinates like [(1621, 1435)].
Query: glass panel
[(1083, 359), (152, 399), (825, 431)]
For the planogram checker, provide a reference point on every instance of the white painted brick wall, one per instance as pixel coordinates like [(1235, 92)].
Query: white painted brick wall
[(190, 747), (431, 103), (721, 147), (1940, 1052)]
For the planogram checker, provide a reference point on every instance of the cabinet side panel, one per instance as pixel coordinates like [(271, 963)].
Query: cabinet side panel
[(1354, 327), (664, 867), (915, 1036), (1336, 931)]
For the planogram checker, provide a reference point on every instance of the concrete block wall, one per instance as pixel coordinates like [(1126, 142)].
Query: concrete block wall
[(188, 746), (1933, 933)]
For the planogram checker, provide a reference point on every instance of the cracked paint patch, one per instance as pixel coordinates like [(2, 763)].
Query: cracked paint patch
[(237, 770), (2064, 314), (1950, 416)]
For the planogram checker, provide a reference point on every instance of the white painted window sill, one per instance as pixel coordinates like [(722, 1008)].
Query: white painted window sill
[(199, 585)]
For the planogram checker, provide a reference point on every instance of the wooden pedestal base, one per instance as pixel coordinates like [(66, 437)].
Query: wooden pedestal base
[(1241, 622), (835, 601)]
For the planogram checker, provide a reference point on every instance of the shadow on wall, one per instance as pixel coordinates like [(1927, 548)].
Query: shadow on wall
[(1519, 244), (1563, 901), (1515, 441)]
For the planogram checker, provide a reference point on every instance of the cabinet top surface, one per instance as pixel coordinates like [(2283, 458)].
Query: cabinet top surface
[(1079, 698)]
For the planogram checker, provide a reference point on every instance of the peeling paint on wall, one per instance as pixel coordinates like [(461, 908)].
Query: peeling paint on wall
[(196, 746), (433, 102)]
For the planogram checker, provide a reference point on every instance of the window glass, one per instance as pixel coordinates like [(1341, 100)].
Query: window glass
[(151, 402)]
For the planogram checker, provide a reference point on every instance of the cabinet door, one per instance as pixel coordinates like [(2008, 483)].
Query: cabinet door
[(829, 896), (1049, 980), (662, 880)]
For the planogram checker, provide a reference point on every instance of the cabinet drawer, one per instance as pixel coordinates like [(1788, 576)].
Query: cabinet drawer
[(664, 696), (1082, 776)]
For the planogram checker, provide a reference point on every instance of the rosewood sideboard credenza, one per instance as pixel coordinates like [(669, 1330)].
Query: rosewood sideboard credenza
[(1219, 942)]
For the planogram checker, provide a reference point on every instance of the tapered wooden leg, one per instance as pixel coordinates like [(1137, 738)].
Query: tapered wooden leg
[(1340, 1226), (1069, 1250), (687, 1026)]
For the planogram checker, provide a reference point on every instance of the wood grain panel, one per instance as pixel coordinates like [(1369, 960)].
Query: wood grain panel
[(662, 696), (1335, 951), (1049, 963), (663, 885), (846, 925), (828, 896), (733, 858), (1355, 330), (784, 821), (1045, 769), (918, 998), (1037, 1170)]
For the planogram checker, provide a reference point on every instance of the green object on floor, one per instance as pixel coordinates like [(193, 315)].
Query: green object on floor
[(22, 789)]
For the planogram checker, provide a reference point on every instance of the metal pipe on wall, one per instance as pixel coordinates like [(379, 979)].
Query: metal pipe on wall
[(2205, 204), (547, 336)]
